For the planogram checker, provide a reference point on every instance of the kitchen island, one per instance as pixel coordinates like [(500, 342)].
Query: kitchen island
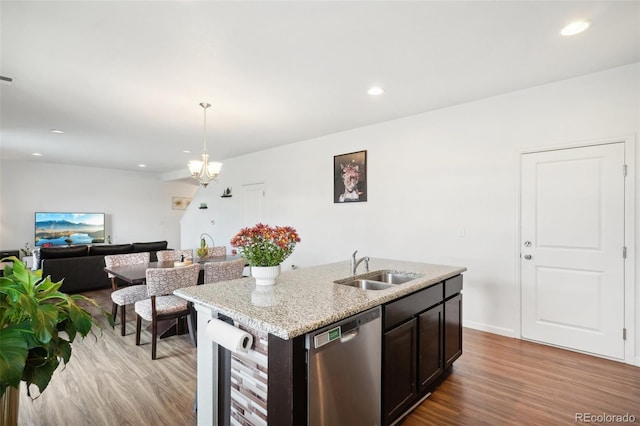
[(269, 382)]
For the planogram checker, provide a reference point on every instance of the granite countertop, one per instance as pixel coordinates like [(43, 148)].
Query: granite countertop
[(306, 299)]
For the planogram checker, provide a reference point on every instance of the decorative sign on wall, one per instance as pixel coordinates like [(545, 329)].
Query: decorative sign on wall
[(180, 203), (350, 177)]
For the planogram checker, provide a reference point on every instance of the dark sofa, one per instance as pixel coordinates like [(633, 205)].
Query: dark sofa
[(82, 267)]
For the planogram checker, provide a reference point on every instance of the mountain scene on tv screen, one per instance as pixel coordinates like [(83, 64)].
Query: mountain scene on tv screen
[(64, 231)]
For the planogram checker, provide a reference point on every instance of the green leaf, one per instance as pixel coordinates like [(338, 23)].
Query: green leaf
[(64, 350), (80, 318), (47, 287), (68, 327), (44, 322), (12, 356), (39, 369), (106, 314)]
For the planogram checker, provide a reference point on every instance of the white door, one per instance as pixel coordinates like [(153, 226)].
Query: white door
[(572, 235), (253, 196)]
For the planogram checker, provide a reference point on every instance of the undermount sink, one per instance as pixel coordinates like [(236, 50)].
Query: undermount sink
[(367, 284), (378, 280), (391, 277)]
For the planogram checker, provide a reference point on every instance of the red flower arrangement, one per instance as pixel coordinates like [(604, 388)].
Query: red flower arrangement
[(264, 245)]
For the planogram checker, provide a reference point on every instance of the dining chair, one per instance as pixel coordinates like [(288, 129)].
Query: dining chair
[(174, 255), (222, 271), (217, 251), (126, 295), (162, 304)]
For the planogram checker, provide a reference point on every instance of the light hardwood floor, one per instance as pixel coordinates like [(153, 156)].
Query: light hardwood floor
[(111, 381), (497, 381)]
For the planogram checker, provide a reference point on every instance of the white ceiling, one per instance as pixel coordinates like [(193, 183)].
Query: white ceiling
[(124, 79)]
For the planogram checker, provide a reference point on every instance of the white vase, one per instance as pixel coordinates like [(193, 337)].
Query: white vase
[(263, 296), (265, 275)]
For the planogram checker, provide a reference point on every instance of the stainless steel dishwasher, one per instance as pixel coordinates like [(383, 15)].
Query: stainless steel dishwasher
[(344, 372)]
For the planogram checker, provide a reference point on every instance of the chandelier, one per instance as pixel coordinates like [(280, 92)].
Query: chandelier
[(204, 171)]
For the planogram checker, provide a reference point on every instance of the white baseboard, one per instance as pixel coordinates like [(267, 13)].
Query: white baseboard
[(489, 328)]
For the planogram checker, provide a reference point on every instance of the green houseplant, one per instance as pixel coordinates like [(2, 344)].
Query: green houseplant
[(38, 323)]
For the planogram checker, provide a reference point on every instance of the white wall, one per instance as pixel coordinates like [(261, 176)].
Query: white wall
[(137, 205), (429, 175)]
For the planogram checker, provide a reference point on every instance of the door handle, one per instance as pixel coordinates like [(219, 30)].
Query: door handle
[(527, 256)]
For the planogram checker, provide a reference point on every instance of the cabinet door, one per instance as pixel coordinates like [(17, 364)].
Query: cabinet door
[(399, 368), (430, 340), (452, 330)]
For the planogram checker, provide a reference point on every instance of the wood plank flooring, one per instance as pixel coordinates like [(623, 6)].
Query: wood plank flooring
[(497, 381), (111, 381), (504, 381)]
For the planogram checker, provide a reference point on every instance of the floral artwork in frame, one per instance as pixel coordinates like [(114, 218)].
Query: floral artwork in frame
[(350, 177), (180, 203)]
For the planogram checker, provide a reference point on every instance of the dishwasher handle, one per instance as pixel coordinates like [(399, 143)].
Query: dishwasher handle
[(350, 335)]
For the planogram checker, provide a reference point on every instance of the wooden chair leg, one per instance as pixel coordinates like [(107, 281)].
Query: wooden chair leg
[(154, 337), (114, 311), (138, 327), (123, 319)]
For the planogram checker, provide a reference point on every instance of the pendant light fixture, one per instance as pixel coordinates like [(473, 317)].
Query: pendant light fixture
[(204, 171)]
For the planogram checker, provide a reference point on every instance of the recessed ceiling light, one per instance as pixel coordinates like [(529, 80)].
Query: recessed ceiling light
[(37, 154), (375, 91), (576, 27), (56, 131), (186, 151), (142, 165)]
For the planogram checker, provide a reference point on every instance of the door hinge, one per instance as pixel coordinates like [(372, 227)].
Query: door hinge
[(624, 334), (624, 252), (624, 170)]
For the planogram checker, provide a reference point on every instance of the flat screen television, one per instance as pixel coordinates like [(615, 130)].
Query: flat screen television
[(61, 228)]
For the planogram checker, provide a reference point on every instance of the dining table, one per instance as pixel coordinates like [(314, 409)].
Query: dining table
[(137, 273)]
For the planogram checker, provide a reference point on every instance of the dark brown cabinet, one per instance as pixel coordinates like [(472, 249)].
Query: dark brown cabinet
[(430, 365), (452, 330), (422, 339), (399, 371)]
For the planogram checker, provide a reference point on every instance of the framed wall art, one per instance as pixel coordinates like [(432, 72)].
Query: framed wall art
[(350, 177), (180, 203)]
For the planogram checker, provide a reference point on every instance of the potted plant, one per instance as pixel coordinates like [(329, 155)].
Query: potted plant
[(38, 323), (265, 248), (27, 254), (26, 250)]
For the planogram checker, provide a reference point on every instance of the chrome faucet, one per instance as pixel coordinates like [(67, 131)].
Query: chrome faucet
[(355, 263)]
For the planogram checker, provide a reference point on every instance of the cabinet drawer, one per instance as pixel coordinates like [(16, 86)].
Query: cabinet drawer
[(401, 310), (452, 286)]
